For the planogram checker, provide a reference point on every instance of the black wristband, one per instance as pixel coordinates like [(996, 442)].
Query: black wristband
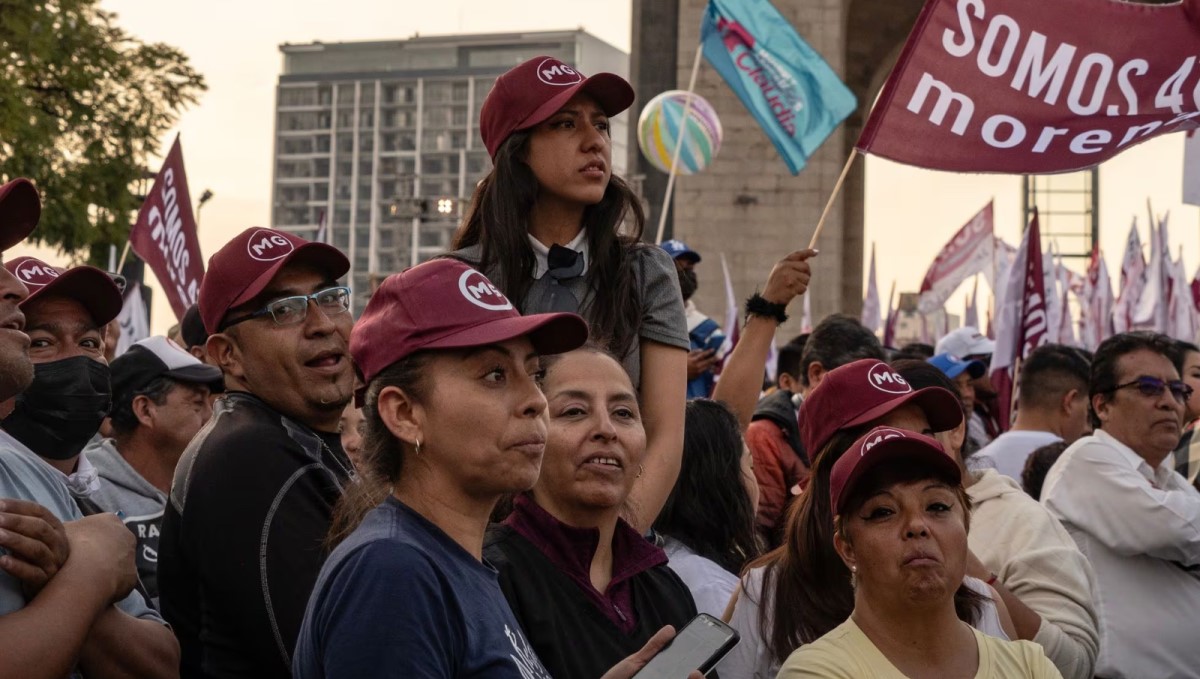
[(758, 305)]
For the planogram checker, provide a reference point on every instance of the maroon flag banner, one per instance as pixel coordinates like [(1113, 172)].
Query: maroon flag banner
[(970, 251), (1021, 321), (1029, 86), (165, 234)]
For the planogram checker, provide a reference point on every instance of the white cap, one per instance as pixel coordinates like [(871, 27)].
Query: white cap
[(966, 341)]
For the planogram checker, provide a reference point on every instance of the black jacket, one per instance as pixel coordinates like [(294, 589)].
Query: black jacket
[(778, 408)]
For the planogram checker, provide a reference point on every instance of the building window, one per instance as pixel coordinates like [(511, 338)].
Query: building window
[(438, 92), (297, 96)]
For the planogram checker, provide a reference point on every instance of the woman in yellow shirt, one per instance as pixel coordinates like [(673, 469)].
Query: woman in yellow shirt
[(901, 528)]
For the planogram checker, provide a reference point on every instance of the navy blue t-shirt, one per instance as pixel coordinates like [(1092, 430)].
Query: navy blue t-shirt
[(400, 598)]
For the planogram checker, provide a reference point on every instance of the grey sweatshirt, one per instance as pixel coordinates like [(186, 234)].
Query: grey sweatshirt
[(139, 503)]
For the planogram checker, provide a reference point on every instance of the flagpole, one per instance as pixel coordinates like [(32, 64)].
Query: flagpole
[(687, 109), (124, 254), (837, 188)]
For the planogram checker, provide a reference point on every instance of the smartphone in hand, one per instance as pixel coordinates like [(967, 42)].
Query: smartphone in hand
[(700, 645)]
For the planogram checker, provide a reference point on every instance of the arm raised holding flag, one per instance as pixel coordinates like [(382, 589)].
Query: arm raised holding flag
[(741, 378)]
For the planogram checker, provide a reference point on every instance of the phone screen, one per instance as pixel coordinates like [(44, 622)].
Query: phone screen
[(699, 645)]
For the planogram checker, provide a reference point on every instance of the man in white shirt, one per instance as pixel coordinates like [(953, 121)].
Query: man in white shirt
[(1051, 406), (1134, 518)]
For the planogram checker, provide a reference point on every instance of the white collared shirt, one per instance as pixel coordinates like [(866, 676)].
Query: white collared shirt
[(541, 253), (1139, 527)]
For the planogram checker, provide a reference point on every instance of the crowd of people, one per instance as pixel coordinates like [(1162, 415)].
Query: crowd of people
[(520, 461)]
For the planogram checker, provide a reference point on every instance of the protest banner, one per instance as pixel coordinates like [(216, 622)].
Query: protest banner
[(165, 234), (1027, 86), (969, 252)]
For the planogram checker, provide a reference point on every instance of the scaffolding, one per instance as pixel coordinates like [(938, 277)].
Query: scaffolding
[(1068, 207)]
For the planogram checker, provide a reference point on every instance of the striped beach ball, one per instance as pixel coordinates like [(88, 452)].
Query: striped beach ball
[(659, 129)]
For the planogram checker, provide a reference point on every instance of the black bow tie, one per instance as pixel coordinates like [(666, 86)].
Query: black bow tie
[(563, 263)]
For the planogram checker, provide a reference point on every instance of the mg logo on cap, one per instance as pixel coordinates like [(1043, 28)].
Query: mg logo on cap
[(555, 72), (268, 246), (36, 273), (887, 380), (478, 290), (880, 437)]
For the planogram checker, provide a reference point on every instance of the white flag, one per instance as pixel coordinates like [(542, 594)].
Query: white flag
[(1054, 297), (1151, 309), (1133, 271), (870, 308), (731, 312), (1191, 168), (135, 321), (1181, 310), (806, 324), (971, 313), (1097, 304)]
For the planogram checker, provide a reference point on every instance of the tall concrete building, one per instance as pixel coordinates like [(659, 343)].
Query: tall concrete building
[(381, 140), (747, 205)]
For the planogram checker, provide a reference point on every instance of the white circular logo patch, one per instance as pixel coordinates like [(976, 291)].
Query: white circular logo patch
[(887, 380), (267, 246), (35, 273), (478, 290), (555, 72)]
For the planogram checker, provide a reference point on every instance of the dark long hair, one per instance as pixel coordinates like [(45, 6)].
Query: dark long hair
[(498, 221), (806, 587), (382, 453), (709, 509)]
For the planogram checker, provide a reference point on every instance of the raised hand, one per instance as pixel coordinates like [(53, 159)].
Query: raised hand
[(789, 277)]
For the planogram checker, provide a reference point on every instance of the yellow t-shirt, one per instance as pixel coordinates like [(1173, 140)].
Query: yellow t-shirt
[(846, 653)]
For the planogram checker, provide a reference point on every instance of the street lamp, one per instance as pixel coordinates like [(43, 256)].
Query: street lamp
[(204, 198)]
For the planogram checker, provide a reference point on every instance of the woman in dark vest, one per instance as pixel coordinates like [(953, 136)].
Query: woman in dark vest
[(587, 588), (556, 230)]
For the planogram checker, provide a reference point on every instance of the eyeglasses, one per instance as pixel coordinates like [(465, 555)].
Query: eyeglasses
[(1154, 387), (293, 310)]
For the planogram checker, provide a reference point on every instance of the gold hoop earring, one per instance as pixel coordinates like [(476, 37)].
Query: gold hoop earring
[(418, 453), (641, 470)]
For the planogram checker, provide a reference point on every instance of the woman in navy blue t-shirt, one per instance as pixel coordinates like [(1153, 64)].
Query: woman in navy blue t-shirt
[(454, 420)]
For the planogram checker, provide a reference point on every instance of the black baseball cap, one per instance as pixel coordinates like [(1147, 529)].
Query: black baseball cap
[(156, 357), (191, 328)]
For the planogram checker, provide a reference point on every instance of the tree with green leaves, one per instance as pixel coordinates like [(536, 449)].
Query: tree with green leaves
[(83, 106)]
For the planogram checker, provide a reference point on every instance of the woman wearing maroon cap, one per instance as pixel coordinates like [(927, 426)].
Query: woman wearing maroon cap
[(546, 226), (798, 592), (454, 419), (901, 518)]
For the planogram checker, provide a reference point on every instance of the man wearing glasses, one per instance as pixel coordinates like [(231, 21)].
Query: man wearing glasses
[(254, 492), (1132, 515)]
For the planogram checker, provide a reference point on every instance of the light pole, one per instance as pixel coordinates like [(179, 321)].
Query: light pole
[(204, 198)]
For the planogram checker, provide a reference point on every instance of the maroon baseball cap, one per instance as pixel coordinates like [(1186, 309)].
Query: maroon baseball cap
[(241, 269), (865, 390), (20, 209), (88, 285), (883, 444), (445, 304), (535, 90)]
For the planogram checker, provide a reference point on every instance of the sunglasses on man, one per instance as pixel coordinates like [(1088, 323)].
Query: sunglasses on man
[(1154, 388)]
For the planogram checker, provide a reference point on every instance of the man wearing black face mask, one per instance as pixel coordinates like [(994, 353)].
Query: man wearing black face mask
[(66, 608), (703, 332), (62, 409)]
